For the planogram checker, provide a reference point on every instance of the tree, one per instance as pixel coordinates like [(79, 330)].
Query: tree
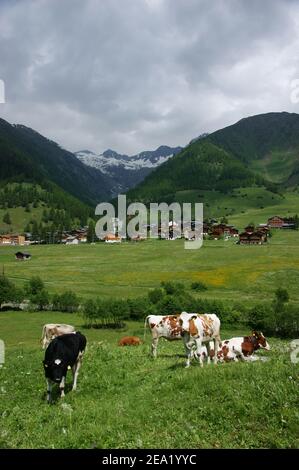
[(8, 291), (282, 296), (38, 295), (7, 219), (35, 285), (35, 231), (224, 220), (91, 232)]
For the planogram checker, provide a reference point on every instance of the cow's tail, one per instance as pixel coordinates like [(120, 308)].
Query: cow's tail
[(145, 326), (43, 335)]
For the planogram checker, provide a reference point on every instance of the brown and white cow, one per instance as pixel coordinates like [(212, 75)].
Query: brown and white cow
[(198, 329), (52, 330), (163, 326), (243, 347), (130, 341), (238, 348)]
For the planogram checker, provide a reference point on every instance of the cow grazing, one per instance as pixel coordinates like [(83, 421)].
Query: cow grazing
[(52, 330), (129, 341), (161, 326), (63, 352), (197, 329)]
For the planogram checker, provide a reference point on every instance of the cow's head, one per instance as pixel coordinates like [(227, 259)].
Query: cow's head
[(55, 369), (262, 342), (187, 323)]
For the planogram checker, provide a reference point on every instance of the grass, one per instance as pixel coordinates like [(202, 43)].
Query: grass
[(127, 400), (20, 218), (217, 204), (230, 271)]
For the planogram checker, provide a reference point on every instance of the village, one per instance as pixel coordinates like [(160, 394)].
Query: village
[(211, 230)]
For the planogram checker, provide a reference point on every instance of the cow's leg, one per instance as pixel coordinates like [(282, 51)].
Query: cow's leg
[(49, 391), (208, 353), (188, 350), (198, 343), (154, 346), (61, 387), (75, 371), (217, 342)]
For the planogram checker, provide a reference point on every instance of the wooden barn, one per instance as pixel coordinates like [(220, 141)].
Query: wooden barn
[(22, 256)]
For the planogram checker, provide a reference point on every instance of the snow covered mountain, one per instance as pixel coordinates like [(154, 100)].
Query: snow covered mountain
[(126, 171)]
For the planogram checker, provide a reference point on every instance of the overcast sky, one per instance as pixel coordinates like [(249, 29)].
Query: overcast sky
[(134, 74)]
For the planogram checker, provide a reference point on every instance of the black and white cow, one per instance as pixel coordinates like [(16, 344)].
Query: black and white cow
[(63, 353)]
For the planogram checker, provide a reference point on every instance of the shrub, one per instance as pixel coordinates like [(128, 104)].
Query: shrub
[(198, 286), (8, 291), (172, 287), (66, 302), (38, 295), (155, 295)]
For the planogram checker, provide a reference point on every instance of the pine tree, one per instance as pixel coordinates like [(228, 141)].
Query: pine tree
[(7, 219), (91, 232)]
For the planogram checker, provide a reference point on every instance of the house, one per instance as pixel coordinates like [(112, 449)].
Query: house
[(12, 240), (250, 228), (275, 222), (281, 222), (220, 230), (111, 238), (71, 241), (22, 256), (252, 238)]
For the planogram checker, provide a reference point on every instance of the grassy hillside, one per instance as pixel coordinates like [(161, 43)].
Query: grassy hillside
[(26, 203), (20, 218), (127, 400), (237, 201)]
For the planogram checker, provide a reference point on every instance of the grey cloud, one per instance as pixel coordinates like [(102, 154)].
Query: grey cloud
[(134, 74)]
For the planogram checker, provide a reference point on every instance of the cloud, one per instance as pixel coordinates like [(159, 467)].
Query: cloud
[(134, 74)]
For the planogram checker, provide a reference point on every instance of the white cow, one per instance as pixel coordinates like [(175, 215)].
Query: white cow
[(163, 326), (52, 330), (198, 329)]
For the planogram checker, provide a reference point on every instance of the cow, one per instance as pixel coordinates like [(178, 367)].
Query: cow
[(63, 352), (163, 326), (243, 347), (129, 341), (197, 329), (238, 348), (52, 330)]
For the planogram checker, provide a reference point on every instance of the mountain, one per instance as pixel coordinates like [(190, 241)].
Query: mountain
[(25, 155), (123, 171), (261, 150), (266, 143)]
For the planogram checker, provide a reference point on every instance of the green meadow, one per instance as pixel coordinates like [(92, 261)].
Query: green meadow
[(127, 400), (230, 271)]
